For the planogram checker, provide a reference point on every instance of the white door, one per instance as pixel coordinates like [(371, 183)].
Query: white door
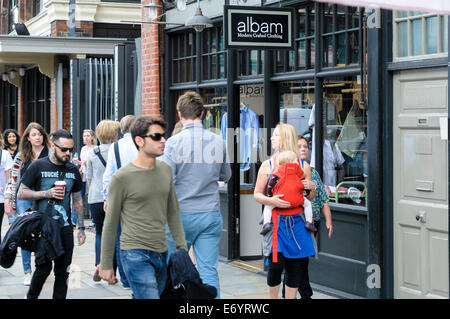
[(420, 185)]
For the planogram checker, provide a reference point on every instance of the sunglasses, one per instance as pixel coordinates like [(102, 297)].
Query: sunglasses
[(64, 149), (155, 136)]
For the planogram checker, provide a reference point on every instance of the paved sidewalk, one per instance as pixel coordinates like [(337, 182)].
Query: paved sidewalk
[(237, 280)]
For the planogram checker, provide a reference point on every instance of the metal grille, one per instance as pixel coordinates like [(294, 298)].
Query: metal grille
[(99, 86)]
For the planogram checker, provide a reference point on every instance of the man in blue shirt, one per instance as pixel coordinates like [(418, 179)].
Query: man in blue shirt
[(198, 160)]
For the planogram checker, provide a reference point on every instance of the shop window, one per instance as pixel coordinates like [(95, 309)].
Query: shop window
[(213, 54), (183, 57), (215, 103), (250, 62), (303, 55), (344, 140), (419, 34), (340, 36), (296, 103)]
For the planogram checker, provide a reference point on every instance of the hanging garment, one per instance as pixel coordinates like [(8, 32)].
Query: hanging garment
[(248, 136)]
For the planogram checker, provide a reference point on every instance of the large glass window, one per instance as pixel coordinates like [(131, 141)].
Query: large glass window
[(250, 62), (296, 103), (340, 36), (303, 55), (213, 54), (183, 56), (215, 103), (344, 140), (417, 33)]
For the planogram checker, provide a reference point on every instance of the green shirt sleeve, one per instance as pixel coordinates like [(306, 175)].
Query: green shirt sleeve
[(174, 218), (116, 194)]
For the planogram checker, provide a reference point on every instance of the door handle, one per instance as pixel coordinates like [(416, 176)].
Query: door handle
[(421, 216)]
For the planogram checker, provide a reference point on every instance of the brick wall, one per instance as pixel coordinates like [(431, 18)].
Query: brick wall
[(150, 65)]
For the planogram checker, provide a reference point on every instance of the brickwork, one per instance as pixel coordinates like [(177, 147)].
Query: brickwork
[(150, 65)]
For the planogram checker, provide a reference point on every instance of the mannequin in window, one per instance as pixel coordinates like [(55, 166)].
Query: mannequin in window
[(332, 160)]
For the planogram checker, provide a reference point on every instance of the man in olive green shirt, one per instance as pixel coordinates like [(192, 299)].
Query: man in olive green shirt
[(142, 195)]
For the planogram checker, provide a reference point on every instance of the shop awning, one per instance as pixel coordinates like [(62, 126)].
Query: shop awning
[(434, 6), (40, 51)]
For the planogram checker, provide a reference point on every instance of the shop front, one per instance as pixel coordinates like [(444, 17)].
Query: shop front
[(318, 87)]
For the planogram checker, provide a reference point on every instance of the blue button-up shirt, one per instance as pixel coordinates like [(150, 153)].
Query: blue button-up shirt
[(248, 138)]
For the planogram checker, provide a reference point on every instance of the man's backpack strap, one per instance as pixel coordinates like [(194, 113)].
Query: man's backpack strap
[(116, 152), (99, 154)]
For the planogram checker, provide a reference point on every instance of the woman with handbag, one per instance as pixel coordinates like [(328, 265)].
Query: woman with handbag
[(107, 133), (34, 145)]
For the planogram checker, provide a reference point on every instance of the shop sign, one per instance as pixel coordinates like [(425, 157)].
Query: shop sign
[(258, 27)]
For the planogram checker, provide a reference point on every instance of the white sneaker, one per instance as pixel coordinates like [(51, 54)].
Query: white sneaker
[(27, 279)]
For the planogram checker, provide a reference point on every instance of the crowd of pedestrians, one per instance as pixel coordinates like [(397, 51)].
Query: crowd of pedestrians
[(149, 197)]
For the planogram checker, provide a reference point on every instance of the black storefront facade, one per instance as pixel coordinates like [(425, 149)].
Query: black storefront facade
[(335, 87)]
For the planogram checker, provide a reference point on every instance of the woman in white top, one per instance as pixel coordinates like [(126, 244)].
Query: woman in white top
[(107, 132), (90, 142), (5, 167)]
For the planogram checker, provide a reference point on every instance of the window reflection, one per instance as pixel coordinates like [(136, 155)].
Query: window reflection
[(344, 141)]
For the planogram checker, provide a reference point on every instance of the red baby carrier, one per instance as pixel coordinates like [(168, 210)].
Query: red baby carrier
[(291, 186)]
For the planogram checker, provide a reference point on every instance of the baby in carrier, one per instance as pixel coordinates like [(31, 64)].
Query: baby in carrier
[(287, 158)]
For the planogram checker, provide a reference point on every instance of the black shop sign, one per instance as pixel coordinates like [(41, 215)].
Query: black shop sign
[(258, 28)]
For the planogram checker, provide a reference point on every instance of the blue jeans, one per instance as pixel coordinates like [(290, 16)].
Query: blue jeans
[(146, 272), (83, 192), (123, 276), (21, 206), (203, 230)]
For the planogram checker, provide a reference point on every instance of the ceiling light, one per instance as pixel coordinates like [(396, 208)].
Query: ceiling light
[(5, 76), (21, 71), (12, 74), (199, 21)]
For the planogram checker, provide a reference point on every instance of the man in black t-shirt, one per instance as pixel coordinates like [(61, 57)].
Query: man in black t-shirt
[(38, 184)]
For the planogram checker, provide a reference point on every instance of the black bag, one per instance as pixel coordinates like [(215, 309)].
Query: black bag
[(183, 279)]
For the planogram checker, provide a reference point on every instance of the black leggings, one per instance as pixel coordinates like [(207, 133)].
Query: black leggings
[(294, 270), (2, 212)]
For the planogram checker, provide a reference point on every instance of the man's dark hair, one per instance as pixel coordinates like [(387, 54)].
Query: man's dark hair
[(190, 105), (141, 125), (56, 135)]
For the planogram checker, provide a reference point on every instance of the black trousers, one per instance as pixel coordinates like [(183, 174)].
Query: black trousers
[(60, 269)]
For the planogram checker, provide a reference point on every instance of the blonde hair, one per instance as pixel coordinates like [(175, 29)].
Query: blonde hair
[(1, 141), (92, 133), (107, 131), (177, 129), (288, 138), (286, 157)]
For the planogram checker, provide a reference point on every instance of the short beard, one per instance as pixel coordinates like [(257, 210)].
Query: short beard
[(59, 160)]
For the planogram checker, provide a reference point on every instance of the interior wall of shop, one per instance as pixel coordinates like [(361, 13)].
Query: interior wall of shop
[(343, 260)]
